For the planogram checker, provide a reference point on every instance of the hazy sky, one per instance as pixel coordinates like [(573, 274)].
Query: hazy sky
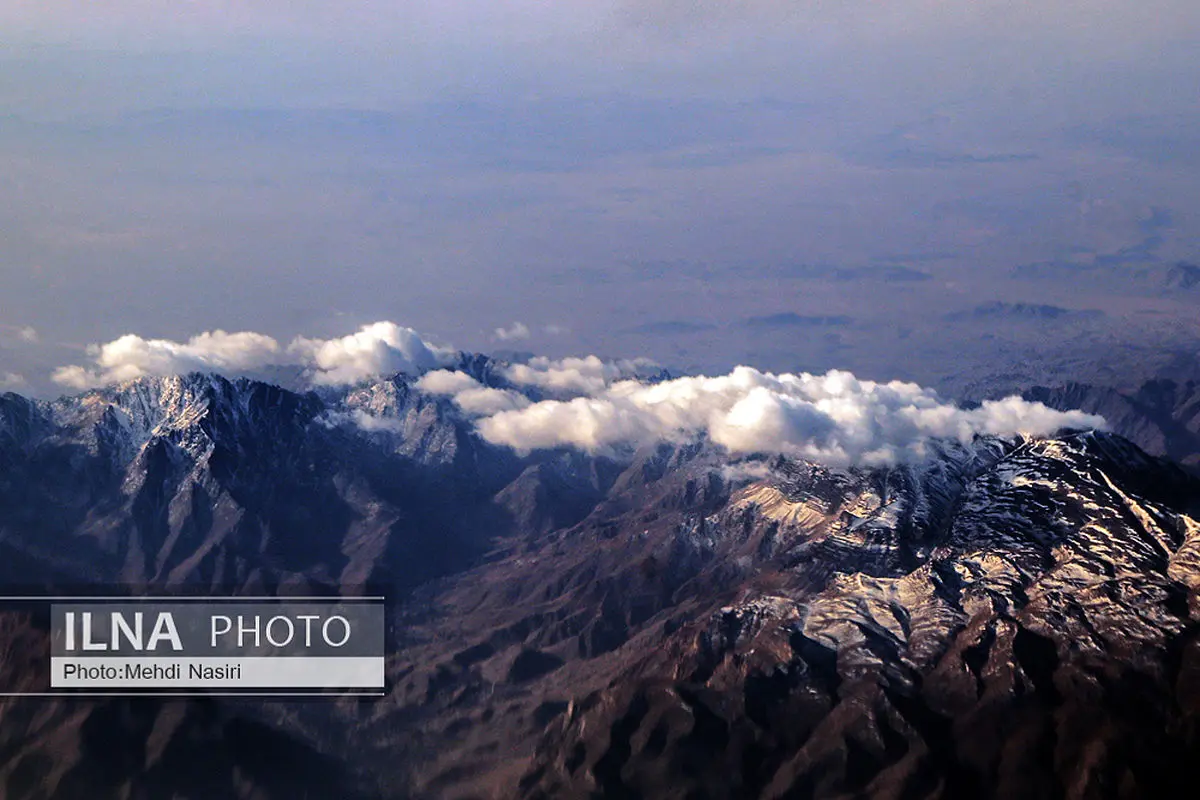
[(619, 177)]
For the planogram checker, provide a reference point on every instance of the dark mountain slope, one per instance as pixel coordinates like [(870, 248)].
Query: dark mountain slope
[(1039, 642), (1012, 617), (1162, 417)]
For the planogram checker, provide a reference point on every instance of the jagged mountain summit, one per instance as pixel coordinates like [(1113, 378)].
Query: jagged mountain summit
[(203, 480), (1013, 616), (1161, 416)]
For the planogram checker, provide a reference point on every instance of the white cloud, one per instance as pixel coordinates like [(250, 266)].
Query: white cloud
[(588, 375), (378, 349), (381, 348), (469, 394), (556, 330), (515, 332), (10, 381), (28, 335), (834, 418), (485, 401), (444, 381), (131, 357)]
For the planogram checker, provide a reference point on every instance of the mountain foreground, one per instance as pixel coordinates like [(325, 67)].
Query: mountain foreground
[(1012, 616)]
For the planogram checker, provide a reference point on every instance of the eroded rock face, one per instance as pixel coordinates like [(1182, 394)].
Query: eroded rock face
[(1013, 617), (1033, 637)]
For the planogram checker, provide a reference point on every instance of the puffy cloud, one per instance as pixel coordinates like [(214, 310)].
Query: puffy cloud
[(588, 375), (131, 357), (469, 394), (444, 381), (10, 381), (377, 349), (485, 401), (513, 333), (834, 418), (28, 335), (604, 405), (381, 348)]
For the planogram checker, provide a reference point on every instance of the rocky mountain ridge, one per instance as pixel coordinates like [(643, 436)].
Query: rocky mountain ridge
[(1162, 416), (1011, 617)]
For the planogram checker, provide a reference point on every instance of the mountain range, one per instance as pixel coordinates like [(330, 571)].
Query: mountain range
[(1013, 616)]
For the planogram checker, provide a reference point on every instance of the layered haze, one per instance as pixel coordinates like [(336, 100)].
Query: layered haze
[(799, 186)]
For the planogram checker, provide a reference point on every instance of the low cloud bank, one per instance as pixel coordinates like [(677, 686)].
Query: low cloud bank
[(377, 349), (588, 375), (603, 406), (470, 395), (833, 418)]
